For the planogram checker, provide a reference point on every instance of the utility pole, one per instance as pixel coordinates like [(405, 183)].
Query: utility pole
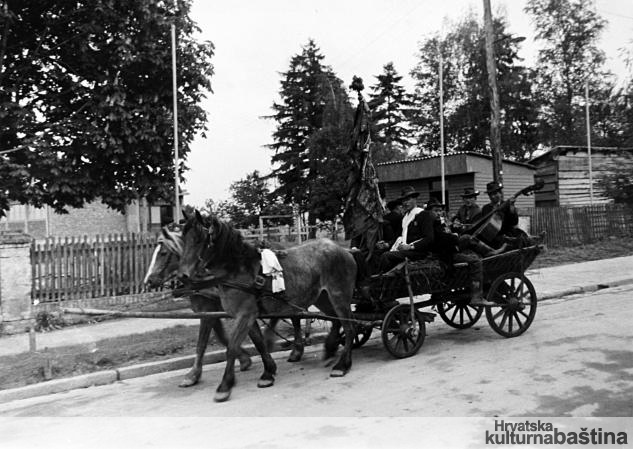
[(495, 135), (175, 93), (443, 183), (589, 141)]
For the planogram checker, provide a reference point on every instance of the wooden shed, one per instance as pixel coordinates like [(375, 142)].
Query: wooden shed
[(565, 170), (461, 170)]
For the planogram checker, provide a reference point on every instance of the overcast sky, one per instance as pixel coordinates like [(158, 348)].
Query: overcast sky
[(254, 41)]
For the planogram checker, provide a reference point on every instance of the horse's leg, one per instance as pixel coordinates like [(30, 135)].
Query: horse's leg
[(193, 376), (243, 357), (267, 379), (269, 334), (342, 309), (297, 347), (332, 340), (243, 323)]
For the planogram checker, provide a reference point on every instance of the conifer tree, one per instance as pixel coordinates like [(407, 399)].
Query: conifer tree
[(389, 104)]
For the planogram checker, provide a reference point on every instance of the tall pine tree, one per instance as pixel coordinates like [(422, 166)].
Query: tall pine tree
[(389, 104), (313, 120)]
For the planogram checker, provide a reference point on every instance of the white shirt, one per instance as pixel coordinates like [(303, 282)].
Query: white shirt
[(406, 221)]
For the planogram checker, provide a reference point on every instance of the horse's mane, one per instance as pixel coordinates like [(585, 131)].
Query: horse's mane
[(171, 237), (229, 248)]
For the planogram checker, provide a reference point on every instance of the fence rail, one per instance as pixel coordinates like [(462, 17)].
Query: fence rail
[(569, 226), (76, 268), (115, 264)]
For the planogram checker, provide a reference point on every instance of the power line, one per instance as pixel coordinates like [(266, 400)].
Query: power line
[(615, 14)]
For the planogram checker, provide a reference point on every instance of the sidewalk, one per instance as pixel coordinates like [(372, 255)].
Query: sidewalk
[(549, 283)]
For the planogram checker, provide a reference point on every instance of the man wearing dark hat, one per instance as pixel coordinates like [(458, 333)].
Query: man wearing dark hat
[(417, 236), (468, 212), (506, 209)]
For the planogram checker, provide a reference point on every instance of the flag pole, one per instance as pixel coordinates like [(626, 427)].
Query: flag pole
[(175, 95)]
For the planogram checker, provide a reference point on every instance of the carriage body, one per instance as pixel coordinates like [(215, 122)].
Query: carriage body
[(505, 284)]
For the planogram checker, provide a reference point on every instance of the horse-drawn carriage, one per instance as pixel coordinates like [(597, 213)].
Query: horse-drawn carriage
[(221, 269), (403, 326)]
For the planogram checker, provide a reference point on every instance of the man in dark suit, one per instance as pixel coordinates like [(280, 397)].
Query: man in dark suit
[(505, 208), (392, 222), (417, 235), (468, 212)]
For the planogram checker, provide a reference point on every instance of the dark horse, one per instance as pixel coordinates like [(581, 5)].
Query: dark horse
[(318, 273), (163, 269)]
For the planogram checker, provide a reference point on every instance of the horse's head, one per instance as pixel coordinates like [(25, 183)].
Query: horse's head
[(166, 257), (196, 240)]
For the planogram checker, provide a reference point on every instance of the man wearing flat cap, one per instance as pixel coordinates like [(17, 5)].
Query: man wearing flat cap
[(468, 213), (417, 235), (506, 209)]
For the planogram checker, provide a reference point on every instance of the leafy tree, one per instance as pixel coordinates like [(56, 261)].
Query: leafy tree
[(389, 104), (570, 30), (86, 100), (250, 198), (311, 117), (466, 92), (619, 183)]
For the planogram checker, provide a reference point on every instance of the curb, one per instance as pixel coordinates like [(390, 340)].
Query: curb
[(128, 372), (585, 289)]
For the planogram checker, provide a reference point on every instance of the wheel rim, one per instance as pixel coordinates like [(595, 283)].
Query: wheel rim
[(517, 301), (402, 337), (459, 313)]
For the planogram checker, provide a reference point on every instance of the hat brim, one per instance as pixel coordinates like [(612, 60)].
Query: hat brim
[(394, 203), (499, 189), (471, 195), (409, 195)]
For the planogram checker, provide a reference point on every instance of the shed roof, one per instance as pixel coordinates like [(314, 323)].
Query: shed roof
[(453, 154), (563, 149)]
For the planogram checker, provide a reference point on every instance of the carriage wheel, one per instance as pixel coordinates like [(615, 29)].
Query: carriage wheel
[(361, 336), (517, 300), (459, 313), (402, 337)]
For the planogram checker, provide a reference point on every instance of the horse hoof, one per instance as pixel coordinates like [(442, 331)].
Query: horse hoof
[(337, 373), (246, 364), (221, 396), (186, 382), (295, 357), (265, 383)]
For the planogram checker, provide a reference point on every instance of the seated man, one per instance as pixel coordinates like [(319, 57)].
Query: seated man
[(450, 248), (468, 212), (415, 241)]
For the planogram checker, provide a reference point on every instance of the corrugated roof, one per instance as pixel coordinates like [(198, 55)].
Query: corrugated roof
[(452, 153), (564, 148)]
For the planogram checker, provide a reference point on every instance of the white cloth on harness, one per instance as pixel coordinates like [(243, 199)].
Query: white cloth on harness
[(271, 267)]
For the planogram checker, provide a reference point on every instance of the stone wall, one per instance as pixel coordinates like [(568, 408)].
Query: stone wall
[(16, 312)]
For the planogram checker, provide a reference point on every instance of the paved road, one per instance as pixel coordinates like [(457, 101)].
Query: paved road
[(575, 360)]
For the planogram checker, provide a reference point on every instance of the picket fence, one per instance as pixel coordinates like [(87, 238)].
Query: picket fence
[(569, 226), (81, 267), (115, 264)]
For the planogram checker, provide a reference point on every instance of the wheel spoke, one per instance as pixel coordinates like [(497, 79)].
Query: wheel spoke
[(524, 314), (503, 320), (516, 318), (470, 316), (454, 314), (499, 313), (510, 315)]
